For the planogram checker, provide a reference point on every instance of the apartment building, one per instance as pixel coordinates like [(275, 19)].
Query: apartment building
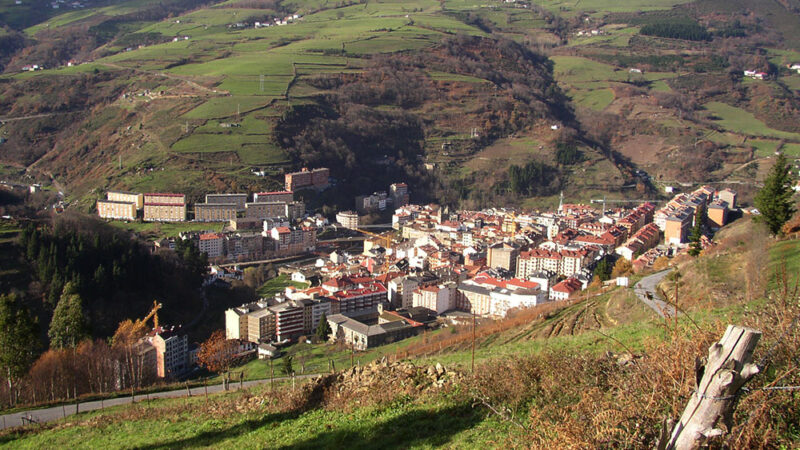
[(162, 207), (313, 310), (718, 214), (238, 200), (399, 194), (437, 298), (347, 219), (273, 197), (265, 210), (164, 212), (377, 201), (312, 179), (503, 256), (288, 320), (214, 212), (119, 210), (129, 197), (212, 244), (677, 224), (172, 347), (644, 239), (261, 326), (485, 295), (237, 320), (366, 297), (165, 198)]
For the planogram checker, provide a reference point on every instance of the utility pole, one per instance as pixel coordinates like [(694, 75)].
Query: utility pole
[(473, 341)]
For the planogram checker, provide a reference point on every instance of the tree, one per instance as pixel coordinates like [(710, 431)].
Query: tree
[(323, 329), (17, 341), (774, 200), (217, 353), (622, 267), (287, 364), (69, 325), (695, 247), (603, 270)]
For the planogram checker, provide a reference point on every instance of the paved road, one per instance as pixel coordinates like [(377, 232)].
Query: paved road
[(646, 286), (58, 412)]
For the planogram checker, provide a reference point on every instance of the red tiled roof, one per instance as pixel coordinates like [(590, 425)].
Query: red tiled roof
[(568, 286)]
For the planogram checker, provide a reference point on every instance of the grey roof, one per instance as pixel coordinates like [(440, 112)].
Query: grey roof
[(473, 288), (393, 326)]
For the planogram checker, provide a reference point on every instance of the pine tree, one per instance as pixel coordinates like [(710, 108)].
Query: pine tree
[(323, 329), (603, 270), (18, 343), (774, 200), (695, 247), (69, 325)]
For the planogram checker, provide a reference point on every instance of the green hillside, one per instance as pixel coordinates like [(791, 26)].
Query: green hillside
[(166, 80)]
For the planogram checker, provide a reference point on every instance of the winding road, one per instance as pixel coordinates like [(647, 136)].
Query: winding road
[(646, 290)]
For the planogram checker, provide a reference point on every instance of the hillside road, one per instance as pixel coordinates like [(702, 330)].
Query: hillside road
[(645, 289), (51, 414)]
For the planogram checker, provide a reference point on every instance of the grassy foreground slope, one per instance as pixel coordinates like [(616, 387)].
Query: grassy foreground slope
[(577, 391)]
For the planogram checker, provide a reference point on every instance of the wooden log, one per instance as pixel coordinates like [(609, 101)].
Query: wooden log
[(709, 412)]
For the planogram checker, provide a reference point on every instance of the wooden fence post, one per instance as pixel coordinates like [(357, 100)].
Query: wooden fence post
[(720, 378)]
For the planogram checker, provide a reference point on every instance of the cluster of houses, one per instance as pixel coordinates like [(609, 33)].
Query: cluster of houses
[(275, 22), (397, 196), (756, 74), (452, 265)]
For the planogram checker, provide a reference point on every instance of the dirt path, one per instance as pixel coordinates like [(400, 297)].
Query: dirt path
[(167, 75)]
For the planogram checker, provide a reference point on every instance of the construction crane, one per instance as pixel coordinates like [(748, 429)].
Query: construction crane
[(154, 314), (385, 240), (129, 331)]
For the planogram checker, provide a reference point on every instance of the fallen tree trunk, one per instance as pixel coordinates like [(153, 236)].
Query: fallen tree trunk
[(709, 412)]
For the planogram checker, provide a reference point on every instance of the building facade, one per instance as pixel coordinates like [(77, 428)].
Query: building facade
[(348, 219), (273, 197), (128, 197), (307, 179), (238, 200), (119, 210), (214, 212)]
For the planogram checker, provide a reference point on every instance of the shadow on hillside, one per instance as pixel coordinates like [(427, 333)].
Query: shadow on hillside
[(209, 438), (430, 428), (433, 428)]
